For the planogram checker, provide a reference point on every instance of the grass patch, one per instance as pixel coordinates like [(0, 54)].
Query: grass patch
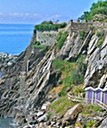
[(101, 38), (65, 68), (91, 110), (63, 65), (100, 42), (61, 105), (43, 47), (61, 38), (90, 123), (39, 46), (78, 74), (78, 91), (71, 73)]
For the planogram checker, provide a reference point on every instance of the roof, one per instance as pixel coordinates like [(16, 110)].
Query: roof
[(95, 89)]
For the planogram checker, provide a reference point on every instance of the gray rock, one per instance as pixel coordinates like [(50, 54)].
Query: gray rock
[(71, 115), (42, 118), (40, 113), (103, 124)]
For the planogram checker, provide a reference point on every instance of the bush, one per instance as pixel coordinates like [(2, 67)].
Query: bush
[(68, 84), (42, 47), (100, 42), (82, 35), (59, 64), (49, 25), (99, 7), (72, 73), (37, 43), (65, 68), (101, 38), (78, 90), (99, 34), (78, 78), (61, 39), (78, 74)]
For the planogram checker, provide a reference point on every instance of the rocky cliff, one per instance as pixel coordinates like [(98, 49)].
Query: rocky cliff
[(33, 79)]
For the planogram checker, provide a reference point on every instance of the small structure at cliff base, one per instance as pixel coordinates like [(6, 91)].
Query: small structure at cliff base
[(96, 95)]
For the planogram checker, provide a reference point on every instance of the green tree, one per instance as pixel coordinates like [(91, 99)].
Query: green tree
[(97, 8), (49, 25)]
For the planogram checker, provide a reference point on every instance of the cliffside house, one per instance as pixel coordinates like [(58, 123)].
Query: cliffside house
[(95, 95)]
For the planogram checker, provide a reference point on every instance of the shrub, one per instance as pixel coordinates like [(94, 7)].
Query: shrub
[(100, 42), (78, 74), (72, 73), (101, 38), (67, 81), (82, 35), (37, 43), (61, 39), (49, 25), (42, 47), (99, 7), (78, 78), (66, 68), (78, 90), (58, 64), (90, 123), (99, 34)]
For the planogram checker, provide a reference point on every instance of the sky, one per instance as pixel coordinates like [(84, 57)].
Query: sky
[(36, 11)]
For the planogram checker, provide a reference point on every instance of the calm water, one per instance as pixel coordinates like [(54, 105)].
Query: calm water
[(5, 123), (14, 38)]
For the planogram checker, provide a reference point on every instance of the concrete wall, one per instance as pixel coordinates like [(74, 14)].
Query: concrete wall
[(49, 37), (77, 26), (46, 37)]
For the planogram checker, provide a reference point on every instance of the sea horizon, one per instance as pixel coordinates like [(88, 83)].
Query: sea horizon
[(14, 37)]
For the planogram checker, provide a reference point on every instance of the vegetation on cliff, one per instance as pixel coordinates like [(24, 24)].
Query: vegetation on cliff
[(61, 39), (101, 38), (48, 74), (99, 7), (49, 25), (72, 73), (39, 46)]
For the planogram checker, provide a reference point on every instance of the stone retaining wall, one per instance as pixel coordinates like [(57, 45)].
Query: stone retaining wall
[(46, 37)]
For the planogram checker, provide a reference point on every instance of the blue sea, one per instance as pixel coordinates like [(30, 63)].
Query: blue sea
[(14, 38)]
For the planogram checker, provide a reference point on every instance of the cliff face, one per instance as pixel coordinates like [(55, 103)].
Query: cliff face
[(28, 81), (93, 45)]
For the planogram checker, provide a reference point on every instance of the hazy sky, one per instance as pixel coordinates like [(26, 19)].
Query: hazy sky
[(34, 11)]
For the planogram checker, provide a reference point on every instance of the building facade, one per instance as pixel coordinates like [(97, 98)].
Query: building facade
[(95, 95)]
